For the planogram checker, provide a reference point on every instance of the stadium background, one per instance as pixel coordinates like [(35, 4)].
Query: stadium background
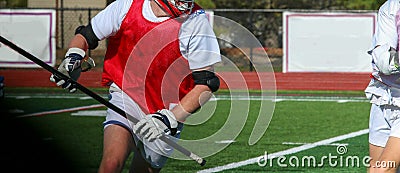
[(265, 24)]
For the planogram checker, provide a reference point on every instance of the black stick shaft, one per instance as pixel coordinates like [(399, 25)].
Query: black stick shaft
[(85, 90)]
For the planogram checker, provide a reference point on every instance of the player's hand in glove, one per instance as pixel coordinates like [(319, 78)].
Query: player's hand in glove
[(153, 126), (71, 66)]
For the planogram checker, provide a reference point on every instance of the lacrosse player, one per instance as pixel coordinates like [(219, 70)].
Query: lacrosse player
[(158, 82), (384, 91)]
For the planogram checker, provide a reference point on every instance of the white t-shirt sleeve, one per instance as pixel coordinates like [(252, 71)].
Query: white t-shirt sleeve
[(198, 42), (386, 32), (108, 21)]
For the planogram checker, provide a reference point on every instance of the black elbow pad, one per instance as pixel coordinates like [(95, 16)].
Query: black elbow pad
[(206, 78), (87, 32)]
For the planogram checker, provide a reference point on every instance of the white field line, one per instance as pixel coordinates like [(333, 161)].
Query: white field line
[(303, 143), (223, 97), (285, 152), (62, 110), (218, 97), (81, 97), (91, 113), (293, 98)]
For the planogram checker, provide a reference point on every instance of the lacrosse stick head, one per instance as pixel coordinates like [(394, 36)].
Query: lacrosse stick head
[(87, 64)]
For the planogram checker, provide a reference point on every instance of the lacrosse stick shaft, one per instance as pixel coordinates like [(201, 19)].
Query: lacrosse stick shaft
[(100, 99)]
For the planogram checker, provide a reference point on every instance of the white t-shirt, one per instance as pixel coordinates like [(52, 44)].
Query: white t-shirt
[(386, 33), (197, 40), (385, 89)]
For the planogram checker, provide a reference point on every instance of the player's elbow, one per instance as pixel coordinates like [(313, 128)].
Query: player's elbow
[(207, 78)]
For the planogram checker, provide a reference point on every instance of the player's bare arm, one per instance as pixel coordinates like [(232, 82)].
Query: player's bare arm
[(167, 121), (79, 41), (198, 96), (71, 66)]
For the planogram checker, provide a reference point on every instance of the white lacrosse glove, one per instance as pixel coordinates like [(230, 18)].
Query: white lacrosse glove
[(386, 59), (152, 126), (71, 66)]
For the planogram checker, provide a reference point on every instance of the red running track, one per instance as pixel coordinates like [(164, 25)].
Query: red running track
[(284, 81)]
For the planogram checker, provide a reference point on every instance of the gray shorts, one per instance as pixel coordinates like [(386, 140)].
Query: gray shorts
[(156, 153)]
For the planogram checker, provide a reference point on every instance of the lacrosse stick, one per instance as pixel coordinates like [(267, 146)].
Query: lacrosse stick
[(164, 137)]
